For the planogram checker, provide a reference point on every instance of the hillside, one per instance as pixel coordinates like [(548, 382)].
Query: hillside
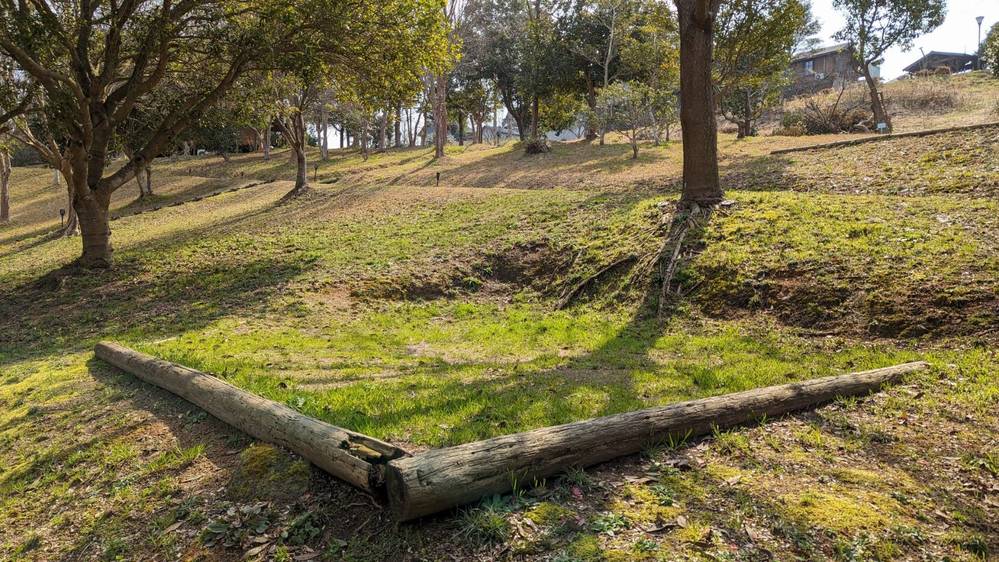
[(425, 315)]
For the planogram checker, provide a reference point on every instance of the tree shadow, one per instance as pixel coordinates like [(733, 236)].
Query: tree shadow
[(67, 314)]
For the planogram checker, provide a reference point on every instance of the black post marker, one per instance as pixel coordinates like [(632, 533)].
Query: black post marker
[(62, 218), (438, 179)]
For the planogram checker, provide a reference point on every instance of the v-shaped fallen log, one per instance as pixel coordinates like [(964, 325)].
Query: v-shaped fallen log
[(440, 479)]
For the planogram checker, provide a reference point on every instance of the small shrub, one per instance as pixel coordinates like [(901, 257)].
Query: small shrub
[(609, 522), (487, 522), (821, 119)]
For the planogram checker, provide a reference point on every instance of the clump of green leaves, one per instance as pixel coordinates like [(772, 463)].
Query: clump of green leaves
[(236, 524)]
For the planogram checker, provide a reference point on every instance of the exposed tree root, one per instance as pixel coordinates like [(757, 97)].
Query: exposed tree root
[(569, 296), (295, 193), (667, 260)]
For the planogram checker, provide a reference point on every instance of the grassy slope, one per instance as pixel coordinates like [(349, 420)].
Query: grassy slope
[(423, 315), (925, 103)]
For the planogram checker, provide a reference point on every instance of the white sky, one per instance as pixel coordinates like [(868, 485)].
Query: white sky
[(957, 34)]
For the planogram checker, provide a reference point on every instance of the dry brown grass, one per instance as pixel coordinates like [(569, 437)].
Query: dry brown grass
[(922, 103)]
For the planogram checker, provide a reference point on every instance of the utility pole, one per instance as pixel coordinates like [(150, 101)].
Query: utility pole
[(978, 45)]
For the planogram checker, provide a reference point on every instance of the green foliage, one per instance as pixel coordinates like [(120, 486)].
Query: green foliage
[(633, 109), (753, 49), (874, 27), (990, 50), (561, 111), (609, 523)]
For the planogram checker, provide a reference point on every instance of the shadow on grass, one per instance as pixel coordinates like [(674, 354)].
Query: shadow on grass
[(69, 314)]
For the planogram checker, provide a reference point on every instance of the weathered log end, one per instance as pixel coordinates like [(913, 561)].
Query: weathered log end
[(353, 457)]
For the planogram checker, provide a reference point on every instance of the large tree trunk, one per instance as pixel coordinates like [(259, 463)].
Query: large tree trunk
[(301, 170), (440, 115), (5, 171), (877, 104), (700, 135), (440, 479), (92, 210)]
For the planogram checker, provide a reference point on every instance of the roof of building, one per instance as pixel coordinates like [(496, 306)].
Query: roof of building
[(927, 60), (816, 53)]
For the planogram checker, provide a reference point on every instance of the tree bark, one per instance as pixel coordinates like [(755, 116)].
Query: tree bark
[(92, 211), (383, 131), (301, 170), (877, 104), (440, 479), (353, 457), (440, 115), (5, 171), (697, 119), (324, 126), (398, 126), (267, 141)]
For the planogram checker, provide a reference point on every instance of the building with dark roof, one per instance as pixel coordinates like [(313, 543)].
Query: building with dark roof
[(956, 62)]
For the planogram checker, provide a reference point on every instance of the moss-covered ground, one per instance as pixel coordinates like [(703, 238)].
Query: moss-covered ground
[(425, 315)]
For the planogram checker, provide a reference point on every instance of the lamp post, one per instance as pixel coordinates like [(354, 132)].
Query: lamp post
[(978, 45)]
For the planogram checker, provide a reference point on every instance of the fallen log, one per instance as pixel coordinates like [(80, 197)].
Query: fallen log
[(879, 138), (440, 479), (353, 457)]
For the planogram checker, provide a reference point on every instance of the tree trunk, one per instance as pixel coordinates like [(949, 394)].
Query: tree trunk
[(301, 170), (324, 126), (267, 141), (93, 213), (5, 171), (877, 104), (440, 115), (364, 138), (634, 150), (461, 129), (747, 114), (71, 226), (535, 116), (398, 126), (700, 135), (440, 479), (383, 131)]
